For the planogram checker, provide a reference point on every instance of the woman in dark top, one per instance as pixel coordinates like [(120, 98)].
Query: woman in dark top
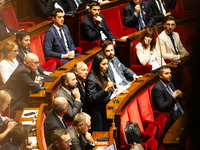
[(98, 92)]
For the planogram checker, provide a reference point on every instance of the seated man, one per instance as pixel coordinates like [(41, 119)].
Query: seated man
[(22, 81), (160, 8), (71, 93), (118, 73), (164, 95), (23, 39), (79, 128), (4, 29), (171, 46), (61, 140), (138, 15), (19, 138), (54, 118), (94, 26), (81, 71), (57, 41)]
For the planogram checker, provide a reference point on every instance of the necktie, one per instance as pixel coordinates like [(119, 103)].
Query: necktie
[(172, 39), (81, 142), (161, 10), (140, 20), (83, 87), (64, 123), (62, 39)]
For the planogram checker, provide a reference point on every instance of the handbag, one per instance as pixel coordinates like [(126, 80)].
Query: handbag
[(132, 133)]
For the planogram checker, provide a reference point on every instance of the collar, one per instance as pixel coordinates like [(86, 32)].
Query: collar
[(57, 28), (164, 83), (66, 90), (168, 32), (81, 82)]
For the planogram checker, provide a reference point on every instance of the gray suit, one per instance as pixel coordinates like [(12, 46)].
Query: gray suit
[(73, 107), (78, 143)]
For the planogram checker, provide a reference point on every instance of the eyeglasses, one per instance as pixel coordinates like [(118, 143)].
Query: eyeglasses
[(36, 63), (68, 141), (87, 126)]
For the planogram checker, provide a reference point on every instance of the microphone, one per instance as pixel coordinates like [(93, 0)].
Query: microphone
[(107, 77)]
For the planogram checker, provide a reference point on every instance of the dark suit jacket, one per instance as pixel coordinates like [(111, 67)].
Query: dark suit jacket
[(81, 91), (51, 123), (91, 31), (95, 94), (131, 20), (162, 100), (19, 85), (3, 32), (155, 10), (126, 72), (74, 4), (20, 58), (53, 46), (8, 146), (73, 106), (76, 144)]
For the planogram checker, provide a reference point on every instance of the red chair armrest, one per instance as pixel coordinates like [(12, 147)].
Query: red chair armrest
[(26, 23), (56, 59), (79, 49), (132, 29), (156, 113), (141, 69)]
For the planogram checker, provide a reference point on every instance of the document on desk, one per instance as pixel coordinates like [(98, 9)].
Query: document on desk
[(33, 139), (121, 90), (30, 114), (28, 122)]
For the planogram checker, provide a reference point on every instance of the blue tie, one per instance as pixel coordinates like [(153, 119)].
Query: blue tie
[(172, 39), (140, 20)]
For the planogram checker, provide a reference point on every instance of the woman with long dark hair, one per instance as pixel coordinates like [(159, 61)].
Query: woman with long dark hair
[(98, 92), (147, 52)]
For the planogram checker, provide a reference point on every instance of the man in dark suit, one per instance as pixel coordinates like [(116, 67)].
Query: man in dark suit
[(164, 95), (94, 26), (71, 93), (138, 15), (19, 139), (54, 118), (23, 39), (80, 126), (22, 81), (43, 8), (118, 73), (81, 71), (57, 41), (4, 29), (61, 140), (160, 8)]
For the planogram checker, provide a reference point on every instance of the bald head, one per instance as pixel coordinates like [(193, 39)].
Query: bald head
[(81, 70), (31, 61), (59, 104)]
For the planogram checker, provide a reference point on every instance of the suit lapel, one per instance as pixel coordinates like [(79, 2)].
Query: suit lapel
[(168, 41), (67, 36), (164, 88), (142, 7), (56, 33), (60, 123)]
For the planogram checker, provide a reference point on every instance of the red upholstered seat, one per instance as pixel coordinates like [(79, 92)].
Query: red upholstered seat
[(10, 19), (42, 132), (131, 113), (137, 67)]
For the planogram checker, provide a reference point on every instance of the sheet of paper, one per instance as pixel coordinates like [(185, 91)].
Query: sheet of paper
[(33, 139), (28, 122), (34, 115), (124, 37)]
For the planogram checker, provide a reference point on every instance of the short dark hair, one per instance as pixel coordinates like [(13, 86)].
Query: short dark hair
[(105, 44), (21, 34), (93, 3), (64, 77), (165, 19), (55, 11), (161, 69), (57, 133), (19, 135)]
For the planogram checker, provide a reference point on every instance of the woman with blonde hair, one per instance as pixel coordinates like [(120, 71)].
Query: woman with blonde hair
[(147, 52), (8, 62)]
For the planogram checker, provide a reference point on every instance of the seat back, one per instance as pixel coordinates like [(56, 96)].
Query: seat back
[(9, 17), (135, 58), (150, 97), (42, 132), (121, 9)]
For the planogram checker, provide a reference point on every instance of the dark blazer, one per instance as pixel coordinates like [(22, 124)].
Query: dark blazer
[(19, 85), (155, 10), (8, 146), (51, 123), (91, 31), (73, 106), (20, 58), (162, 100), (131, 20), (74, 4), (53, 47), (81, 91), (3, 32), (126, 72), (76, 143)]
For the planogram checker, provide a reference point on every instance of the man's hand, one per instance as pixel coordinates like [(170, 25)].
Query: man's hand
[(98, 20), (109, 86), (76, 93), (37, 80), (135, 77), (11, 125), (7, 120), (137, 8), (89, 138), (177, 93), (47, 73), (119, 87), (69, 55), (29, 145), (183, 55), (168, 13), (113, 40)]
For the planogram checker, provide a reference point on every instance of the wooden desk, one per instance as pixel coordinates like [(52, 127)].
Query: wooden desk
[(173, 138), (100, 134)]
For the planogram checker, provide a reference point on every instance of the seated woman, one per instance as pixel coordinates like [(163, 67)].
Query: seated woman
[(7, 124), (98, 92), (8, 62), (147, 52)]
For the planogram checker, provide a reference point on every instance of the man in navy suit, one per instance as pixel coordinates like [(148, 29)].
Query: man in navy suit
[(164, 95), (57, 41), (54, 118), (138, 15), (94, 26)]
